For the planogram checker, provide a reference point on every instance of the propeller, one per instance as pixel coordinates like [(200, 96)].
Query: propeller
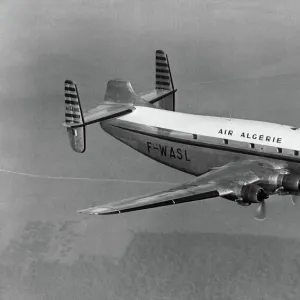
[(261, 211), (295, 199)]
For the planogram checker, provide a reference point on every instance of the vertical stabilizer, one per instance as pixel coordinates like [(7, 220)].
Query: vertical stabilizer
[(163, 80), (74, 117), (73, 114), (120, 91)]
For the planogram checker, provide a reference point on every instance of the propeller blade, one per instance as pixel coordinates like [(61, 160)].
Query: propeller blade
[(295, 199), (261, 211)]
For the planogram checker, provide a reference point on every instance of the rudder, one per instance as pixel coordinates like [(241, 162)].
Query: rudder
[(74, 121), (163, 80)]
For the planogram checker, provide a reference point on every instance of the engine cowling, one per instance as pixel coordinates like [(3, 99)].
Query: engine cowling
[(290, 182), (253, 193)]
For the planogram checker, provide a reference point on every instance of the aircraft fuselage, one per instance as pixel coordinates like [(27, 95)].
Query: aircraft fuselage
[(194, 144)]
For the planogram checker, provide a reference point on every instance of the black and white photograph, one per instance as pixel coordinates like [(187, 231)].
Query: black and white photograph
[(150, 150)]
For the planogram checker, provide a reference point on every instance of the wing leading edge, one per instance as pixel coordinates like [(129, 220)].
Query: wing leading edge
[(188, 192), (235, 181)]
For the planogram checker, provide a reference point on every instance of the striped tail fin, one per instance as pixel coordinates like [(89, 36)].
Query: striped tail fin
[(163, 96), (74, 121), (73, 113), (164, 81), (163, 78)]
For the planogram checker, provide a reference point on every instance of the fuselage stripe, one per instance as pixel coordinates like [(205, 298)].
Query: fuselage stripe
[(213, 146)]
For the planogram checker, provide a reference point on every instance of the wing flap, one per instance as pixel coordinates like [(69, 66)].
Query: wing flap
[(185, 193)]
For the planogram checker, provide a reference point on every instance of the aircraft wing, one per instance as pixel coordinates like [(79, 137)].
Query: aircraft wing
[(180, 194), (219, 182)]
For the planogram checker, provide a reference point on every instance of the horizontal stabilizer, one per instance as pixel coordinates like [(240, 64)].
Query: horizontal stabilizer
[(106, 111), (103, 112), (76, 120), (156, 95)]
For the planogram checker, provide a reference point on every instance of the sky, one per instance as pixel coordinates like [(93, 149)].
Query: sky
[(238, 58)]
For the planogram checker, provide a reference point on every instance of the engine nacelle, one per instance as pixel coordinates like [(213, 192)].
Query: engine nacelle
[(290, 182), (253, 193)]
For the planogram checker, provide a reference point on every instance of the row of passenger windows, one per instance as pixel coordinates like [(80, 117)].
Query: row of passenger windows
[(252, 146)]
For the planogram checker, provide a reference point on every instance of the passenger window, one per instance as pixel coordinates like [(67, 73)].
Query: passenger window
[(252, 146), (225, 142), (296, 152), (279, 150)]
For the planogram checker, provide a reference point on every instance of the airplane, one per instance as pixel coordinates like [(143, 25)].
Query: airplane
[(240, 160)]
